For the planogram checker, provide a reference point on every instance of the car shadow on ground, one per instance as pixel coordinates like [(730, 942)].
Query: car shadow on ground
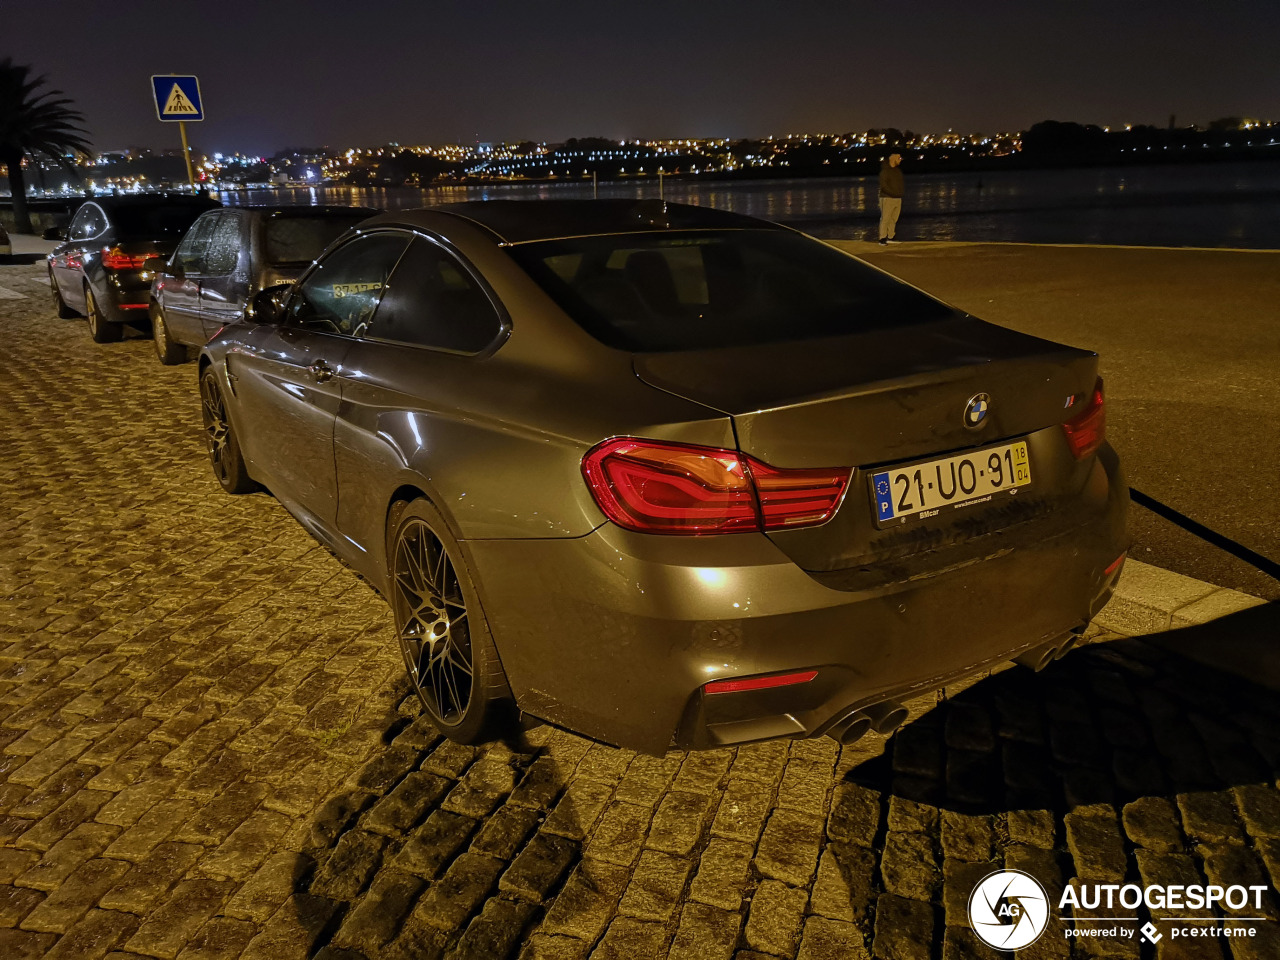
[(1123, 748), (1121, 720)]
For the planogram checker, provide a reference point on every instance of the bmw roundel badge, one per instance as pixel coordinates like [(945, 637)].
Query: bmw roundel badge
[(975, 411)]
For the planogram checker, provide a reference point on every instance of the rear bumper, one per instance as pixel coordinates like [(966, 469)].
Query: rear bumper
[(615, 634), (124, 297)]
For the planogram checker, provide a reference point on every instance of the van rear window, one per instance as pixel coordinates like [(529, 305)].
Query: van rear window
[(302, 239)]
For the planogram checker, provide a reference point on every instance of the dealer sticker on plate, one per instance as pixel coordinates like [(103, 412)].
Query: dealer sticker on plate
[(926, 489)]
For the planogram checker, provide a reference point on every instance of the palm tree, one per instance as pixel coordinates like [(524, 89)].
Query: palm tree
[(34, 122)]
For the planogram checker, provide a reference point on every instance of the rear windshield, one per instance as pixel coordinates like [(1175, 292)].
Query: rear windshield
[(156, 222), (302, 239), (687, 291)]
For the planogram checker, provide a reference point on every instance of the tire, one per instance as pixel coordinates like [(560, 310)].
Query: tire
[(168, 352), (443, 637), (64, 312), (100, 328), (220, 440)]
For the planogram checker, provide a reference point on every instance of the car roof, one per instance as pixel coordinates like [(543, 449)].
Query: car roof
[(152, 200), (522, 221), (305, 210)]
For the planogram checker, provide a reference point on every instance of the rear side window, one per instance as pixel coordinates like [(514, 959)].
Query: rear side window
[(688, 291), (293, 240), (159, 221), (341, 294), (432, 301)]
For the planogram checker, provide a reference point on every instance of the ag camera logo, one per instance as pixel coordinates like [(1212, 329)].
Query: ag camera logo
[(1008, 910)]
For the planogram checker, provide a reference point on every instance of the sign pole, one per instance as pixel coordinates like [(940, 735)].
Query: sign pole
[(186, 155)]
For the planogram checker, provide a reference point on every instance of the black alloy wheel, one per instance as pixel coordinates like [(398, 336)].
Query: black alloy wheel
[(224, 450), (101, 329), (443, 637)]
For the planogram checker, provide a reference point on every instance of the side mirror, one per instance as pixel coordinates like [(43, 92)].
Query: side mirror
[(267, 305), (55, 233)]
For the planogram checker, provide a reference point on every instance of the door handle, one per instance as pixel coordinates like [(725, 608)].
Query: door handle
[(321, 372)]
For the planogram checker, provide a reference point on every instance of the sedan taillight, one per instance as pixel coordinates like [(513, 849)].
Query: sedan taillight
[(1088, 428), (113, 258), (657, 487)]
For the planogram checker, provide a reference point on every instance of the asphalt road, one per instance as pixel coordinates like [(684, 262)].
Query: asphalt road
[(1189, 342)]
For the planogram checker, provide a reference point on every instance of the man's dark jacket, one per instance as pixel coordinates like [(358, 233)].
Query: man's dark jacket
[(891, 182)]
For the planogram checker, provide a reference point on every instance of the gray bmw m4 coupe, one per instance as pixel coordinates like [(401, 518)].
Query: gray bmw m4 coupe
[(669, 476)]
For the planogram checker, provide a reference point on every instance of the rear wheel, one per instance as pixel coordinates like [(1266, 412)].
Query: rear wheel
[(442, 633), (100, 328), (224, 450), (64, 312), (167, 351)]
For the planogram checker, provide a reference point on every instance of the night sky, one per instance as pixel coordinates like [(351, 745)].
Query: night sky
[(364, 73)]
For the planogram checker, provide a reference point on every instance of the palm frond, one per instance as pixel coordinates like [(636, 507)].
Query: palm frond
[(36, 120)]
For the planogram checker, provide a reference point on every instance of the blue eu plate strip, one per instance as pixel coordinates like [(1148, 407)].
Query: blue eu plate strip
[(884, 496)]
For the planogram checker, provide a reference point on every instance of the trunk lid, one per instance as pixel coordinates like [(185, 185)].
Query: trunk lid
[(889, 397)]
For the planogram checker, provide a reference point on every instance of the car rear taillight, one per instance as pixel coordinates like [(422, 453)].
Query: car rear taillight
[(796, 498), (1088, 428), (113, 258), (657, 487)]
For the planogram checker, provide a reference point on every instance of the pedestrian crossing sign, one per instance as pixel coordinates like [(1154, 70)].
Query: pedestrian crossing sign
[(177, 98)]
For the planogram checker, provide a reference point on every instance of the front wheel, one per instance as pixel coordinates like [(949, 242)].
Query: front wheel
[(443, 636), (100, 328), (224, 450), (168, 352)]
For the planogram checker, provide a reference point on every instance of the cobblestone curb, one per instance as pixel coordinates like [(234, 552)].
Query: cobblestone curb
[(1151, 600)]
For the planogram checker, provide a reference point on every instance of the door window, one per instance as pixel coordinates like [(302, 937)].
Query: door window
[(223, 251), (191, 253), (433, 301), (341, 294)]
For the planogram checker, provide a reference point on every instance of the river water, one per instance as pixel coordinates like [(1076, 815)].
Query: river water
[(1222, 204)]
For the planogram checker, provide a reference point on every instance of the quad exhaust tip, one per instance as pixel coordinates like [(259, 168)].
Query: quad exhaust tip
[(882, 718), (1037, 658)]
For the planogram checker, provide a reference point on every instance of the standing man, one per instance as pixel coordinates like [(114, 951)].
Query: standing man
[(892, 187)]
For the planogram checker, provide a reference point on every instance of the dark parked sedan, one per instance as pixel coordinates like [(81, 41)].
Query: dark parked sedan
[(98, 270), (226, 257), (669, 476)]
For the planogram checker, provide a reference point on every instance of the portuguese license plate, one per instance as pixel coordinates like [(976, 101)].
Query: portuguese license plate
[(922, 490)]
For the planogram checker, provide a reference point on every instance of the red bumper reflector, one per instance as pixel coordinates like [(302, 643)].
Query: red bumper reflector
[(132, 306), (1114, 565), (760, 683)]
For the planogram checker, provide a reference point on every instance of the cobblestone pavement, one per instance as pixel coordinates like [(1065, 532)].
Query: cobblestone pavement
[(207, 751)]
